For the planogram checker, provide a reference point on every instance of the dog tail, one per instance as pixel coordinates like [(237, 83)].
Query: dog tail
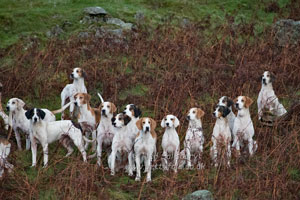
[(88, 140), (99, 95), (62, 108)]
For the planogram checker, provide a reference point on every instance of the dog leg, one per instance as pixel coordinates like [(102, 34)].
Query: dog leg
[(164, 161), (176, 155), (148, 166), (94, 136), (228, 153), (99, 149), (188, 155), (113, 162), (28, 141), (33, 150), (250, 146), (18, 138), (130, 164), (138, 167), (45, 151)]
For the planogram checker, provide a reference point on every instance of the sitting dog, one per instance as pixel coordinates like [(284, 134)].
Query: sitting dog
[(267, 98), (145, 146), (170, 141), (226, 101), (221, 134), (243, 129), (78, 75), (122, 144), (194, 140), (88, 117), (19, 123), (4, 152), (48, 132)]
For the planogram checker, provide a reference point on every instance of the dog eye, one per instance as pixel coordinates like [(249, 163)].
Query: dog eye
[(242, 100), (194, 112), (165, 119), (120, 119), (13, 102), (223, 101), (77, 71), (143, 122), (80, 97), (108, 106)]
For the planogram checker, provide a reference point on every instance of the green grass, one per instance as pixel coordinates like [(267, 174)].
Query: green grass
[(23, 18)]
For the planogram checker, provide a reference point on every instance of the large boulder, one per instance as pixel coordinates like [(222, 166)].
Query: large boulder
[(199, 195), (287, 32)]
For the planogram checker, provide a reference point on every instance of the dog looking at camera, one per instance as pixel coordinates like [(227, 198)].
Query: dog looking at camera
[(134, 113), (145, 146), (170, 141), (267, 98), (243, 129), (78, 75), (228, 102), (221, 136)]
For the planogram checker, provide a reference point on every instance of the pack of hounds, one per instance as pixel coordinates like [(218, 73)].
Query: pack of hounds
[(129, 139)]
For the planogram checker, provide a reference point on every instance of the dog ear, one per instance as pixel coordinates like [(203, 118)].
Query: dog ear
[(113, 119), (83, 74), (29, 114), (41, 113), (20, 103), (229, 102), (127, 119), (200, 113), (139, 124), (176, 122), (75, 96), (137, 112), (113, 108), (153, 124), (225, 111), (163, 123), (87, 97), (272, 77), (248, 102)]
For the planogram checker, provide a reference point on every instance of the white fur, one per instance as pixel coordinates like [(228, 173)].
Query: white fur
[(231, 116), (4, 152)]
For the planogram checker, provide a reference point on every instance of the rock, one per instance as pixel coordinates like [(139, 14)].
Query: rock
[(119, 22), (199, 195), (95, 11), (91, 19), (139, 17), (83, 35), (113, 32), (55, 31), (287, 32)]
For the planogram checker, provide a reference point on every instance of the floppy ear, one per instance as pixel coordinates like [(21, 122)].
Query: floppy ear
[(226, 111), (127, 119), (83, 74), (163, 123), (139, 124), (41, 113), (29, 114), (113, 119), (200, 113), (153, 124), (176, 122), (272, 77), (87, 96), (248, 102), (20, 103), (113, 108), (235, 100), (229, 102), (75, 96), (137, 112)]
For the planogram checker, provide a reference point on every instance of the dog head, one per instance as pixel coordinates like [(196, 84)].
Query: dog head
[(107, 108), (35, 115), (78, 73), (170, 121), (120, 120), (14, 104), (146, 124), (132, 111), (225, 101), (267, 78), (195, 114), (221, 111), (81, 99), (242, 102)]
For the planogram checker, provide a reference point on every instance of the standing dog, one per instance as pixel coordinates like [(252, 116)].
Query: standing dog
[(221, 134), (4, 152), (49, 132), (267, 98), (227, 102), (170, 141), (194, 139), (243, 129), (78, 75), (122, 144), (145, 146)]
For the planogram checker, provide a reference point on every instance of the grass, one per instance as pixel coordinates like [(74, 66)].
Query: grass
[(21, 19)]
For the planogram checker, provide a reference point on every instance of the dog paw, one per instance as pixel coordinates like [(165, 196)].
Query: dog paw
[(112, 173), (148, 180), (137, 178)]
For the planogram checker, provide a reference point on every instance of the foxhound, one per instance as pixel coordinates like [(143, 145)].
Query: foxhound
[(122, 144), (105, 130), (88, 117), (227, 102), (48, 132), (243, 129), (221, 136), (267, 98), (134, 113), (4, 152), (194, 140), (170, 141), (19, 123), (145, 146), (78, 75)]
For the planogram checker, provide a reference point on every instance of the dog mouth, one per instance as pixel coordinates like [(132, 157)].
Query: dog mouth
[(264, 81), (7, 108)]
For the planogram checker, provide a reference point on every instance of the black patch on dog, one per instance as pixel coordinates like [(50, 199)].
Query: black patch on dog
[(126, 119), (136, 110), (29, 113), (224, 110), (84, 74), (77, 125), (40, 113)]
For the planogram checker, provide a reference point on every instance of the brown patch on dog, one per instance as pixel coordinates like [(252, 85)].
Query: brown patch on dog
[(139, 123), (153, 126), (113, 108), (200, 113), (132, 112), (138, 134), (248, 101), (4, 141)]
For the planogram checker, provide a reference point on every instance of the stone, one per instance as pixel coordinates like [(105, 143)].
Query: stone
[(55, 31), (199, 195), (119, 22), (139, 17), (287, 32), (95, 11), (83, 35)]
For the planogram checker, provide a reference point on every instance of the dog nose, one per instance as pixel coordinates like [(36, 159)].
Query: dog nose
[(188, 118), (147, 128), (35, 119), (124, 112), (103, 111), (76, 104), (7, 108), (237, 105), (167, 124)]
